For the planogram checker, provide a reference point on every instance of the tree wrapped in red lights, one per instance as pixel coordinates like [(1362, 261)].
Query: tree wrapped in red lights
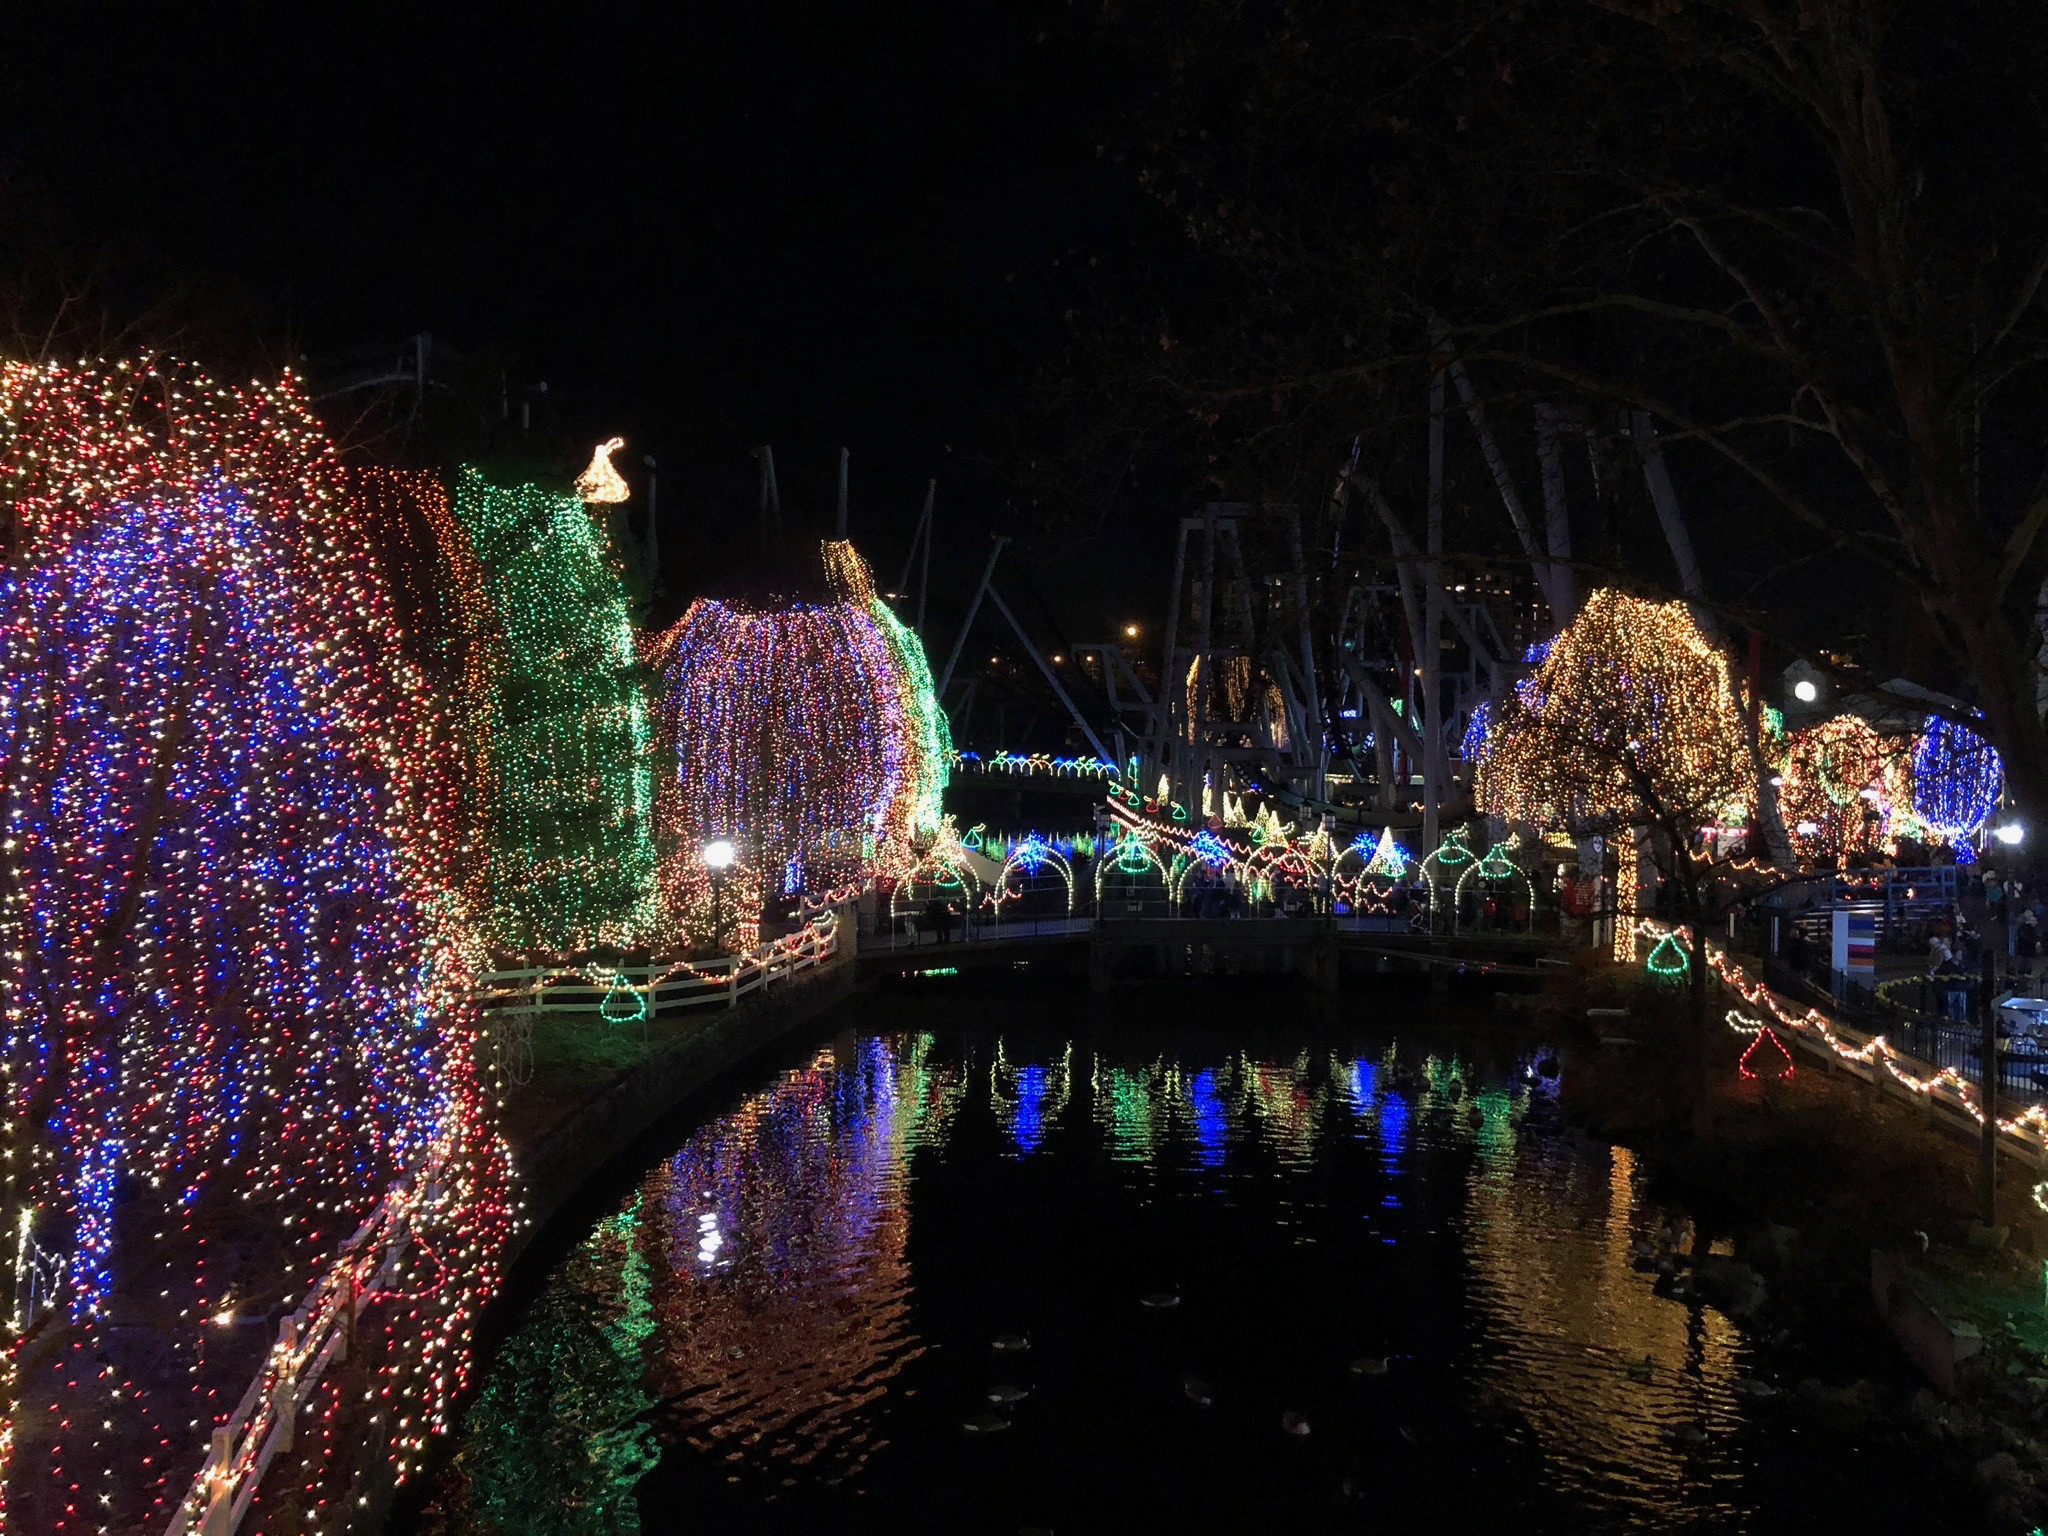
[(229, 977), (801, 728)]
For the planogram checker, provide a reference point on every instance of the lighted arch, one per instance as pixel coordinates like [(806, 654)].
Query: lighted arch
[(1131, 857), (1493, 867), (1215, 857), (1033, 859), (940, 875)]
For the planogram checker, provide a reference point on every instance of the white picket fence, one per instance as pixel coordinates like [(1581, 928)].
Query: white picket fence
[(321, 1331), (314, 1337)]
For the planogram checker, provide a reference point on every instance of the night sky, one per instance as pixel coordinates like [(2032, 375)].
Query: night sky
[(705, 227)]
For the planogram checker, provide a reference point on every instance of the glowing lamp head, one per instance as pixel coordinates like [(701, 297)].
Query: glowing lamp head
[(2011, 834), (223, 1319), (720, 854), (1806, 690), (1130, 631)]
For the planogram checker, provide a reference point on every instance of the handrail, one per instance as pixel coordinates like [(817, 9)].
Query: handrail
[(1872, 1055), (309, 1340)]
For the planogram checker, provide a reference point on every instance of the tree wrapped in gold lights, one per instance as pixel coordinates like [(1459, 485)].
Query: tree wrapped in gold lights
[(801, 726), (1630, 721), (1630, 727)]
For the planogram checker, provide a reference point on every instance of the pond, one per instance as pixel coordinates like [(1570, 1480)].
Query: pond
[(1189, 1262)]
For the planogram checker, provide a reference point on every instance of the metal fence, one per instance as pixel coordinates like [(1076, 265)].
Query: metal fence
[(1932, 1019)]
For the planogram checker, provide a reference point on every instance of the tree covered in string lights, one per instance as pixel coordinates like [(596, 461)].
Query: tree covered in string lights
[(1629, 728), (805, 729), (232, 1005), (1628, 721), (1958, 778), (556, 723), (1844, 784)]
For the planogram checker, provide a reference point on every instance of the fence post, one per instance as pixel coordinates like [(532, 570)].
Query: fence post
[(284, 1391), (219, 1501), (1987, 1154), (345, 1345), (732, 982)]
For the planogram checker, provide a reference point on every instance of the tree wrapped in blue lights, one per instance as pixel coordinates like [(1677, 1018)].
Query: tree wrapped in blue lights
[(228, 979), (1957, 778)]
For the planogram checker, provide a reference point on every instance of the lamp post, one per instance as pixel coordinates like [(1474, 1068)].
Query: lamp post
[(719, 855)]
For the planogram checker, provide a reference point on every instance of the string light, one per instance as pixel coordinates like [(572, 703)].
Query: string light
[(233, 994), (1628, 718), (1668, 960), (557, 725), (1842, 781), (1388, 858), (600, 484), (2030, 1126), (1473, 746), (1958, 778), (806, 731)]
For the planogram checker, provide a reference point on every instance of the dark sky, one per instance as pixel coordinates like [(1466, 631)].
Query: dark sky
[(706, 225)]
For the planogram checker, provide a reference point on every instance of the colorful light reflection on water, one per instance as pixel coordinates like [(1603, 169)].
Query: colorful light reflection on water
[(788, 1325)]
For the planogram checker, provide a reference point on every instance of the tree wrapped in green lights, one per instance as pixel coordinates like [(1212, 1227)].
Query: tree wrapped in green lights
[(557, 724)]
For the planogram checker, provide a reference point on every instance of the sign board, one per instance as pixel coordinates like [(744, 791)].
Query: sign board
[(1855, 944)]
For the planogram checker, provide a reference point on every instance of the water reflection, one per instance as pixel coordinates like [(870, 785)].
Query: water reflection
[(793, 1311)]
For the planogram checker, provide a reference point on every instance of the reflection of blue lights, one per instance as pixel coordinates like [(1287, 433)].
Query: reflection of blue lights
[(1211, 1121), (1028, 1127), (1359, 1082), (1393, 1131)]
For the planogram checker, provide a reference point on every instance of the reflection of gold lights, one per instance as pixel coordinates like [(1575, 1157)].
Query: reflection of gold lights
[(601, 485), (1569, 1311)]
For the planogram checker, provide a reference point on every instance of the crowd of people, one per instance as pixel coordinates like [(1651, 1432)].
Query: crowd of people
[(1996, 905)]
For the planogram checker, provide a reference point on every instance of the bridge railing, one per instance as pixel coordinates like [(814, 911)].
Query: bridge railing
[(509, 1003), (915, 933)]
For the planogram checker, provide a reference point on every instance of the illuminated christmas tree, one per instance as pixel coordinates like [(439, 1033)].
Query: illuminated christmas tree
[(1629, 720), (556, 724), (1841, 780)]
